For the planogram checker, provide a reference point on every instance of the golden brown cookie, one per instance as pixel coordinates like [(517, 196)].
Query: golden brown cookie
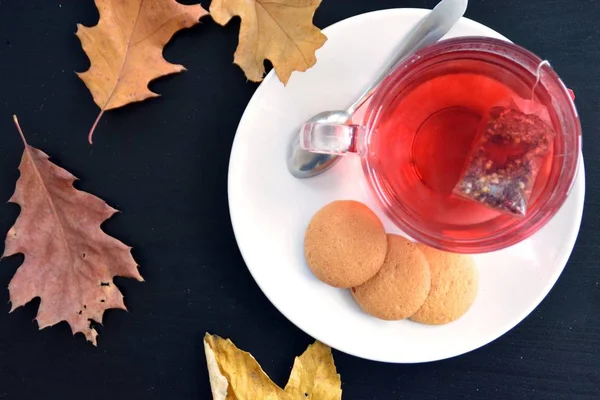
[(454, 285), (400, 287), (345, 244)]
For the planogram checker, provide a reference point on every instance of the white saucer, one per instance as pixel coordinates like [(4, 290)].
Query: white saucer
[(270, 211)]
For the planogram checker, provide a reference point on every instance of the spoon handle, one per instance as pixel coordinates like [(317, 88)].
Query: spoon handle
[(431, 29)]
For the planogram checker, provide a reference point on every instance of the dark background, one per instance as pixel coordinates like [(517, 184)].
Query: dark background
[(163, 163)]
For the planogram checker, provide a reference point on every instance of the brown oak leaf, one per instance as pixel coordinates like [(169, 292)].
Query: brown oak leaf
[(125, 48), (69, 261), (280, 31)]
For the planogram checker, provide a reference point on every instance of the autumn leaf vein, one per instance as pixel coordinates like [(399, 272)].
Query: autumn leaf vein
[(284, 31)]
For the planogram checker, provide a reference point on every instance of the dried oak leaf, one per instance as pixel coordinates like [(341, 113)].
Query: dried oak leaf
[(125, 48), (69, 261), (235, 375), (280, 31)]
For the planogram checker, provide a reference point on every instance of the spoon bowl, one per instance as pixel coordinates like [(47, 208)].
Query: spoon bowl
[(304, 164)]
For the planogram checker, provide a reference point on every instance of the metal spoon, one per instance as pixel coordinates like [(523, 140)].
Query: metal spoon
[(304, 164)]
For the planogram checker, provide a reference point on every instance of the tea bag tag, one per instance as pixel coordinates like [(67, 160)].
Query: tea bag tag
[(532, 106), (538, 76)]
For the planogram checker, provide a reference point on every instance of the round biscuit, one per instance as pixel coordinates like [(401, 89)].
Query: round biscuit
[(454, 286), (400, 287), (345, 244)]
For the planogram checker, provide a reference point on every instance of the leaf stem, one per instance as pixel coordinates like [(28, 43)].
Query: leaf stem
[(94, 126), (16, 120)]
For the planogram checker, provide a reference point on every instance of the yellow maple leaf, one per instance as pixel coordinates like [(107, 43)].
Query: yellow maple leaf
[(125, 48), (238, 374), (235, 375), (314, 375), (280, 31)]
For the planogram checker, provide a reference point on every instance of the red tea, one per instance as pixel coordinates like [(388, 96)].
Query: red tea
[(423, 141)]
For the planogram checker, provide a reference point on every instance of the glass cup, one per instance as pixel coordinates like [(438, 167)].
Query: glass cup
[(417, 129)]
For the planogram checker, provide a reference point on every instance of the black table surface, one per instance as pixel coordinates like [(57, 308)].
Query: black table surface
[(163, 163)]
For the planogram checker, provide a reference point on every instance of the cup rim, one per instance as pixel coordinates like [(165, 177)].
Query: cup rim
[(551, 204)]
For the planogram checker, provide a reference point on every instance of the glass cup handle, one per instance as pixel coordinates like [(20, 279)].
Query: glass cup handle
[(324, 138)]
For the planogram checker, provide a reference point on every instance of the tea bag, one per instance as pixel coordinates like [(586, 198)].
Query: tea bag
[(507, 154)]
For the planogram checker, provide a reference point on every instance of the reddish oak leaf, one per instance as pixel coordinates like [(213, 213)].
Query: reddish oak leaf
[(69, 261), (125, 48)]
